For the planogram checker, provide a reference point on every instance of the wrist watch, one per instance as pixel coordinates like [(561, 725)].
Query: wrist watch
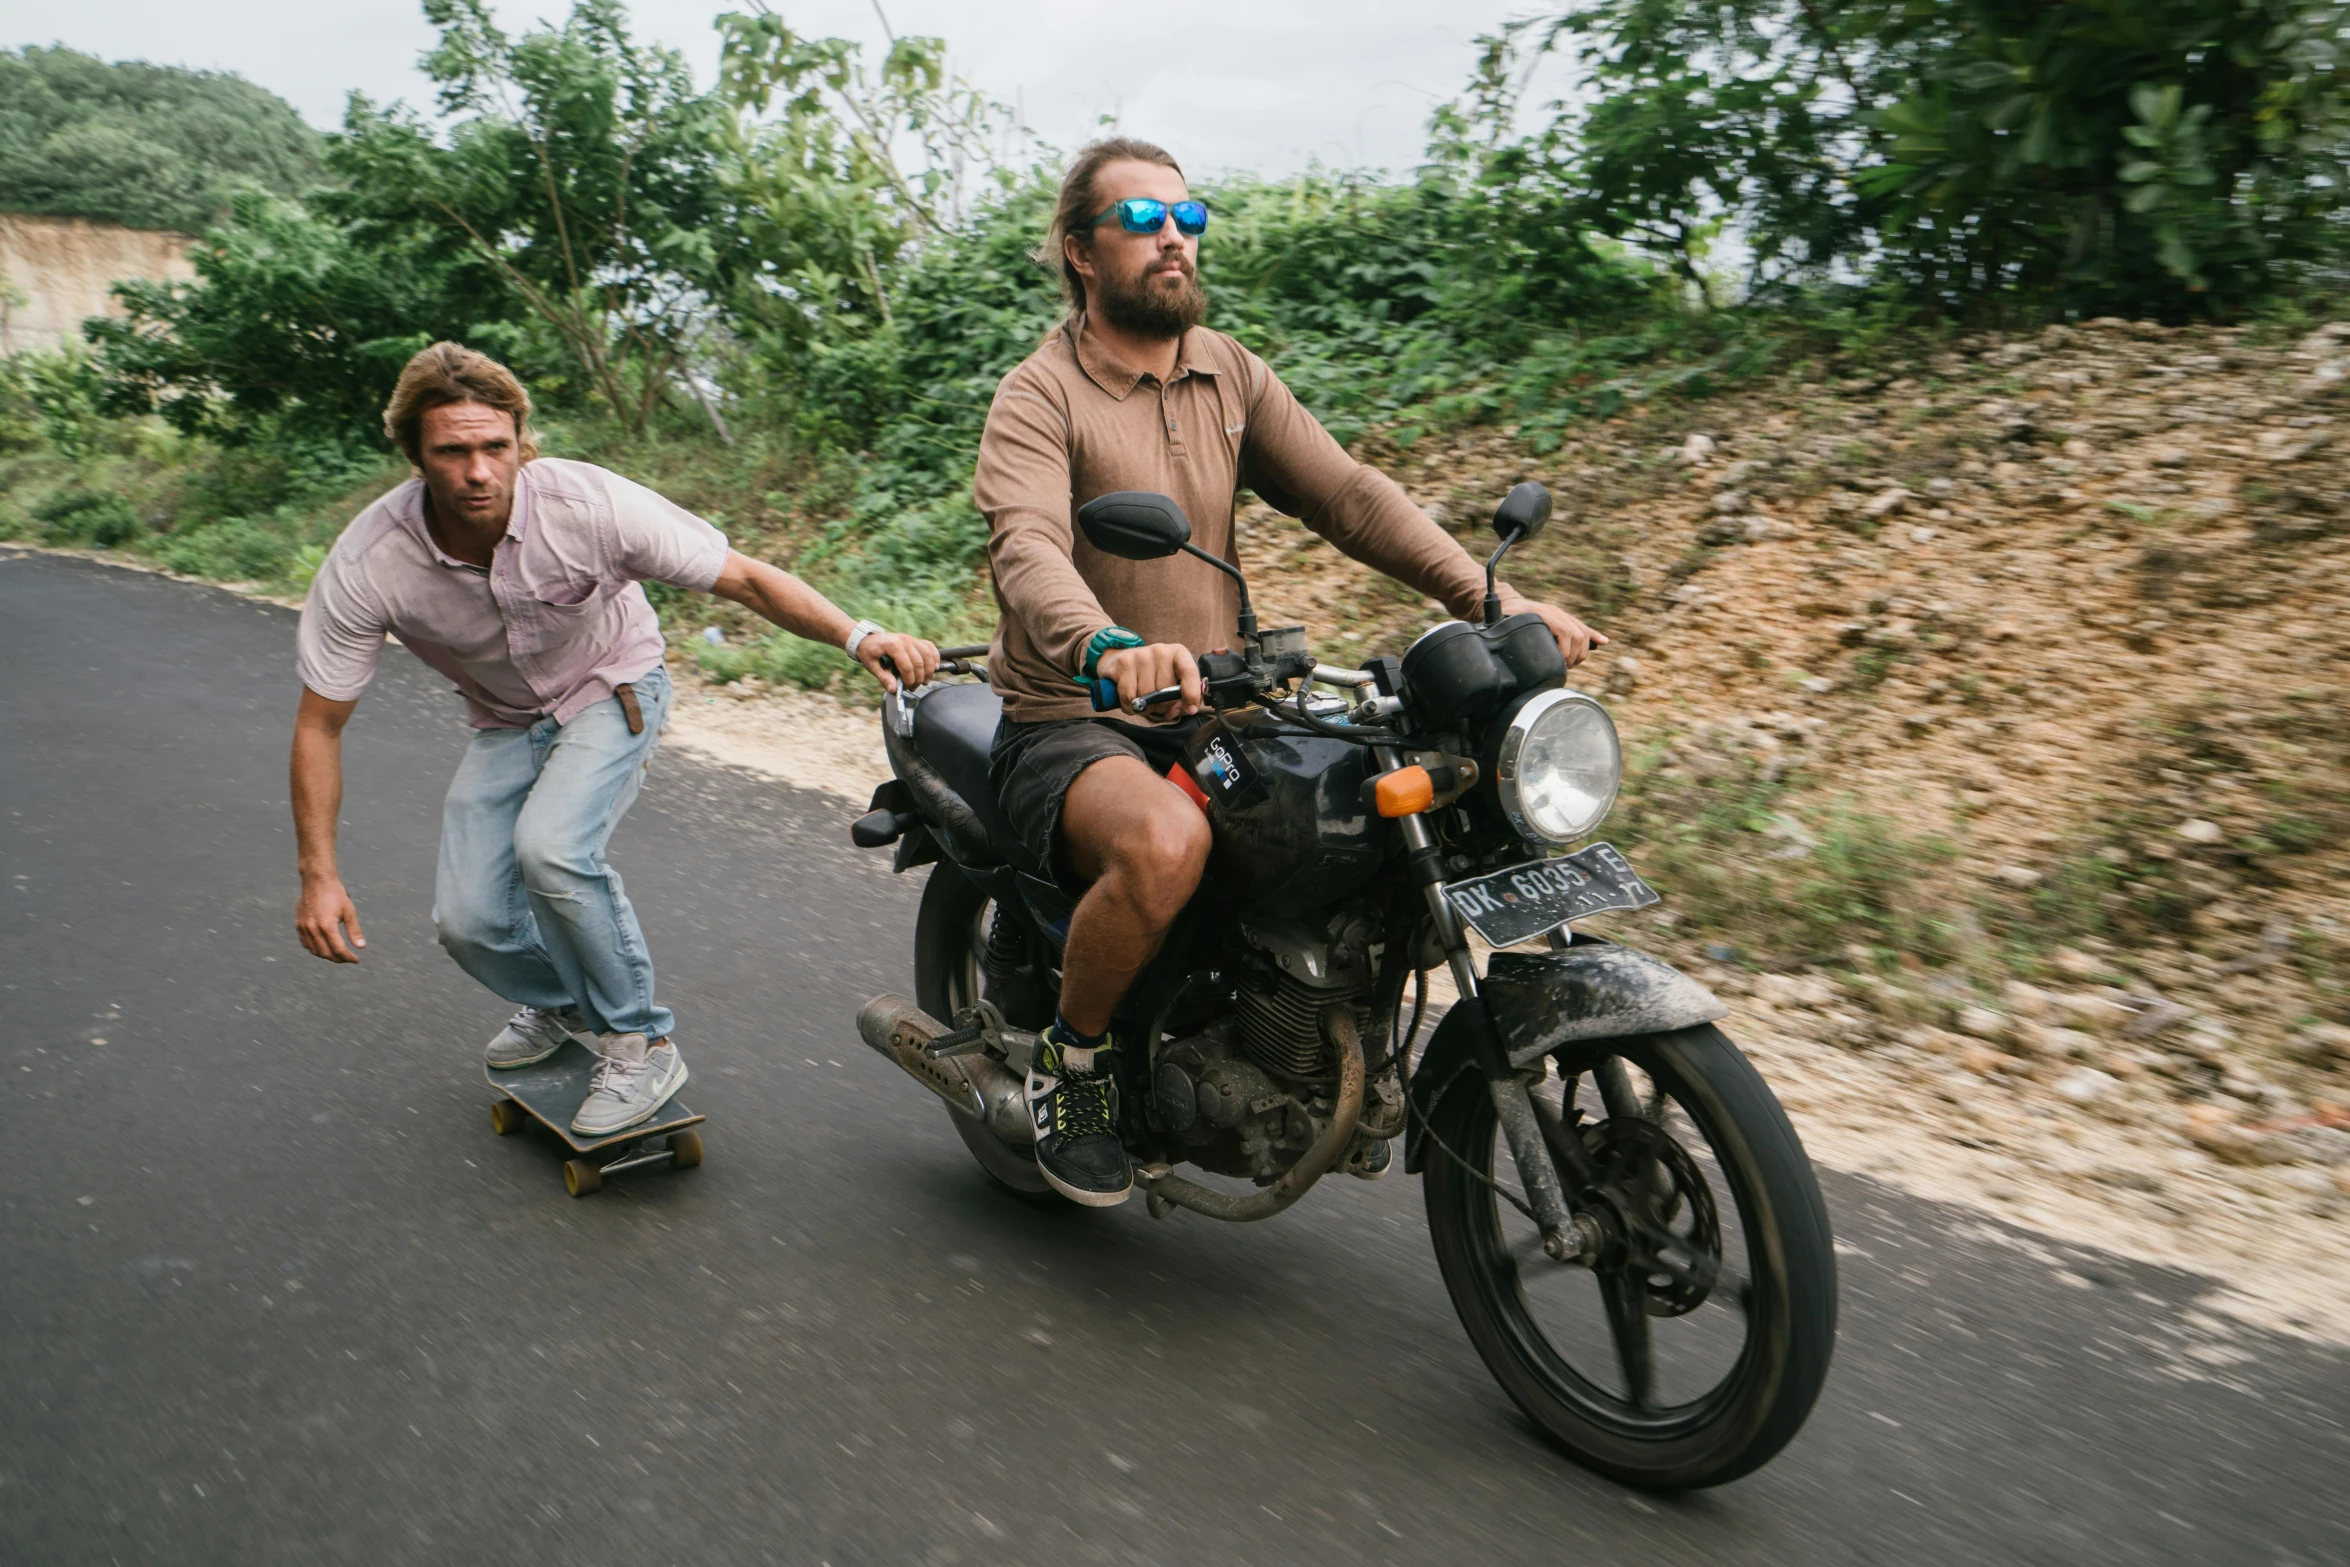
[(857, 635)]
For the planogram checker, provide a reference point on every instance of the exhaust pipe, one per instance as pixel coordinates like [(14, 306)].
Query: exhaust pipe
[(977, 1086)]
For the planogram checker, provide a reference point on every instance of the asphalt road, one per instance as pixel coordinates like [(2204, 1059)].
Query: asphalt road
[(272, 1291)]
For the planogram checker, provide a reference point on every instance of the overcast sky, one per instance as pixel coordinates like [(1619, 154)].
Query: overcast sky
[(1268, 85)]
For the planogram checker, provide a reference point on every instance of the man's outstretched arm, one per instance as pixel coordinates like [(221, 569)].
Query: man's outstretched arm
[(1367, 515), (324, 911), (799, 609)]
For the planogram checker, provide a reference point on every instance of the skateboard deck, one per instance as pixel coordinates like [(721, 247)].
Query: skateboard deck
[(550, 1092)]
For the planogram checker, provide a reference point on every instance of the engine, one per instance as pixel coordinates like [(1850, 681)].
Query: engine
[(1247, 1094), (1295, 971)]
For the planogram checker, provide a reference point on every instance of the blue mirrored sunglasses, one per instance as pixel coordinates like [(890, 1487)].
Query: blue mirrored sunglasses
[(1142, 215)]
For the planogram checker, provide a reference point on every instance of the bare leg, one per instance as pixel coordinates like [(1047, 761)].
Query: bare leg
[(1142, 844)]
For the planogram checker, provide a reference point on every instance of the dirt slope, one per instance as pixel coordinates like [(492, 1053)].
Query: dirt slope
[(2066, 613)]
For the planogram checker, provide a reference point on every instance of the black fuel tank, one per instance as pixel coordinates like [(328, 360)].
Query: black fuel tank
[(1288, 812)]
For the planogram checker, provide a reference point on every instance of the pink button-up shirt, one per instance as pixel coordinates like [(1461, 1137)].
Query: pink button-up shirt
[(557, 621)]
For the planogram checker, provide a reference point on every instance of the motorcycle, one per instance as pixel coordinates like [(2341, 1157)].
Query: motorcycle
[(1624, 1218)]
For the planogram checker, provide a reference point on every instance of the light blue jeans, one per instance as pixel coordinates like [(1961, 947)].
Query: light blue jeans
[(524, 901)]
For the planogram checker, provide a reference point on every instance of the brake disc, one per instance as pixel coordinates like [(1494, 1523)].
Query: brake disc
[(1672, 1235)]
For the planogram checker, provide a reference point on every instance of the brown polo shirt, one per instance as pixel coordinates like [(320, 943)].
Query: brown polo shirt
[(1071, 422)]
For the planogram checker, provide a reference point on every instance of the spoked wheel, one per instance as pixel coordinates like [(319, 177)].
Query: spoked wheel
[(1692, 1349), (950, 939)]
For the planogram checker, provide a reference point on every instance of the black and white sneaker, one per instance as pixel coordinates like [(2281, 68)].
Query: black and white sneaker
[(1073, 1099)]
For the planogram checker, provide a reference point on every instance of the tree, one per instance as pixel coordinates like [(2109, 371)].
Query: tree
[(827, 201), (582, 170), (146, 146), (2089, 156), (290, 324)]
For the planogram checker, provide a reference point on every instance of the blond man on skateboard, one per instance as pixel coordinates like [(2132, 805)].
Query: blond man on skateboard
[(520, 579)]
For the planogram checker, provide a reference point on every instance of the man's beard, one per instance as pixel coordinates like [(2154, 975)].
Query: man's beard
[(1148, 308)]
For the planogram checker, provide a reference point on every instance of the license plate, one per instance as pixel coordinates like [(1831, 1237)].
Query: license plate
[(1526, 901)]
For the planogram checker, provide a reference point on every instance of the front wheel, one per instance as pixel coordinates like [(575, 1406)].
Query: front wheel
[(1692, 1349)]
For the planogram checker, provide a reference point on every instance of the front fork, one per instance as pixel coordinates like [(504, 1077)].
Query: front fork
[(1541, 1144)]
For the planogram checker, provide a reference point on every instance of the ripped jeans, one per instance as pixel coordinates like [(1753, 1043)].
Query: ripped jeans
[(523, 899)]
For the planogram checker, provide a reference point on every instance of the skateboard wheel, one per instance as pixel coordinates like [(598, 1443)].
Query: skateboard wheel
[(507, 1116), (581, 1177), (685, 1149)]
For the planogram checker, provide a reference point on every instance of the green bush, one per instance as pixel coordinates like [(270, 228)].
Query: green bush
[(296, 326), (20, 416), (65, 390), (780, 659), (86, 517), (235, 551)]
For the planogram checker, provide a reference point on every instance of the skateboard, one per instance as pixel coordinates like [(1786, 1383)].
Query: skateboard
[(550, 1092)]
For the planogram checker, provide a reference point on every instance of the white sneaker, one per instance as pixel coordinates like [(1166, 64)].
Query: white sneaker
[(631, 1084), (529, 1037)]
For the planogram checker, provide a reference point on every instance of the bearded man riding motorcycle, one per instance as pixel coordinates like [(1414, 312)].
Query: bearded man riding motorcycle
[(1131, 392)]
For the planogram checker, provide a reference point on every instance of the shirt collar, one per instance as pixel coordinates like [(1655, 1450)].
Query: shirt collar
[(1112, 374)]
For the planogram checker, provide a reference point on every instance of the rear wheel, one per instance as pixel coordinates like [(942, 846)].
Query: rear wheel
[(950, 939), (1692, 1350)]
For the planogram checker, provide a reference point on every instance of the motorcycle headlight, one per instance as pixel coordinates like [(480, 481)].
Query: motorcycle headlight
[(1558, 767)]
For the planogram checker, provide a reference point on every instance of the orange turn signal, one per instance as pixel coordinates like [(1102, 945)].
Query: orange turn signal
[(1405, 792)]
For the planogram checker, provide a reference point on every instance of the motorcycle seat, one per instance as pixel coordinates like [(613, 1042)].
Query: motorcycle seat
[(954, 730)]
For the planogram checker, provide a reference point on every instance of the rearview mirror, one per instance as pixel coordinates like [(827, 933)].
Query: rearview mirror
[(1522, 513), (1138, 524)]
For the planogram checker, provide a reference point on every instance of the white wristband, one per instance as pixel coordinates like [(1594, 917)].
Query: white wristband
[(857, 635)]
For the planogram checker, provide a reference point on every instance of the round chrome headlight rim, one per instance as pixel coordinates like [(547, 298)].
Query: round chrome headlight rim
[(1509, 782)]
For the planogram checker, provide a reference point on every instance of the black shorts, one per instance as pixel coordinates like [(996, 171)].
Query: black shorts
[(1033, 765)]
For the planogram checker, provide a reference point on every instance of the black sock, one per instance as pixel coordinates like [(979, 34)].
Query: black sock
[(1072, 1036)]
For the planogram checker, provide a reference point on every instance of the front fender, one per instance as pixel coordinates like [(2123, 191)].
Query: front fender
[(1591, 991), (1532, 1004)]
